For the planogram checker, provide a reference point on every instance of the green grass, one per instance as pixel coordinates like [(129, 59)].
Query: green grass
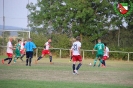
[(53, 84), (117, 74)]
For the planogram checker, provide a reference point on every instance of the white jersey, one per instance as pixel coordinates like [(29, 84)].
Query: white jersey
[(47, 45), (22, 46), (9, 46), (75, 48), (106, 51)]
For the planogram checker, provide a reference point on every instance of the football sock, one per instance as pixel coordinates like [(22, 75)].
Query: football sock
[(10, 59), (30, 59), (95, 62), (27, 61), (21, 59), (50, 57), (79, 65), (73, 68), (39, 58), (100, 61), (103, 62), (22, 56), (6, 59)]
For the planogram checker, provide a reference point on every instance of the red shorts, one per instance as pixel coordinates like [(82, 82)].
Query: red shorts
[(10, 55), (77, 58), (22, 52), (105, 57), (45, 52)]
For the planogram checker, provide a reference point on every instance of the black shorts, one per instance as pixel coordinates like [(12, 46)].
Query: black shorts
[(29, 54)]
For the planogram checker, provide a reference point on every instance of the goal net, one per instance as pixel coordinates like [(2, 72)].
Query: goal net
[(15, 34)]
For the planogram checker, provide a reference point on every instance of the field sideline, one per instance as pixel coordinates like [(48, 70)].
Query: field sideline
[(117, 74)]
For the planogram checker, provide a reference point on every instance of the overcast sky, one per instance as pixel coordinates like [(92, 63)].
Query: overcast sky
[(15, 12)]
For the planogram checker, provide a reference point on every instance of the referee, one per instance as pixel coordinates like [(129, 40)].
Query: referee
[(29, 47)]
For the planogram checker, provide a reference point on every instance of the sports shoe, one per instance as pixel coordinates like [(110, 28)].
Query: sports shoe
[(2, 61), (76, 72), (51, 63), (8, 64)]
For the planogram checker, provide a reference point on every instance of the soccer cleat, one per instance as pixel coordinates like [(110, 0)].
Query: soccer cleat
[(76, 72), (94, 65), (51, 63), (2, 61), (8, 64)]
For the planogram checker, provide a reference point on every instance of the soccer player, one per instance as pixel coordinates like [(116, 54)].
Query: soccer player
[(76, 55), (9, 51), (29, 47), (106, 55), (46, 51), (17, 51), (100, 51), (22, 50)]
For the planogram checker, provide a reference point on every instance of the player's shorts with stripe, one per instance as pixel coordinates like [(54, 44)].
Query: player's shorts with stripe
[(22, 51), (10, 55), (45, 52), (105, 57), (77, 58), (29, 54)]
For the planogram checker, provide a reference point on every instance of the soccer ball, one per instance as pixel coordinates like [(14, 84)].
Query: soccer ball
[(90, 64)]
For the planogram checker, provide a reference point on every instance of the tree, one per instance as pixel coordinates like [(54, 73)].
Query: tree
[(72, 17)]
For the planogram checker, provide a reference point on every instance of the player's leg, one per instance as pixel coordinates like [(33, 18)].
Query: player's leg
[(74, 64), (50, 58), (95, 61), (27, 58), (40, 57), (30, 58), (10, 55), (22, 54), (79, 58), (100, 60)]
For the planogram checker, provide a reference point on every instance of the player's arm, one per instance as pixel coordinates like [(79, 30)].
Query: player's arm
[(94, 49), (79, 50)]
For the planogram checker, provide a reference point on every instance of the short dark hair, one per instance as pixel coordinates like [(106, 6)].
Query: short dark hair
[(19, 40), (78, 38)]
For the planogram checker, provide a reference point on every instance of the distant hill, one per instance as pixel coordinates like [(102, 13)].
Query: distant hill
[(10, 28)]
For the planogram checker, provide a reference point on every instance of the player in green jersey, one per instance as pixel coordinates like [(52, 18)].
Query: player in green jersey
[(17, 51), (99, 47)]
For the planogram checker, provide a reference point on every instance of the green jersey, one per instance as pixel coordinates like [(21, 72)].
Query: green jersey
[(100, 48), (17, 51)]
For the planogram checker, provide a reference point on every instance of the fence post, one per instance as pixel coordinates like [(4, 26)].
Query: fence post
[(36, 52), (83, 55), (60, 53), (128, 56)]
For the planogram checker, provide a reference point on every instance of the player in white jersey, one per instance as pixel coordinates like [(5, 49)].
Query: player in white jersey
[(106, 55), (9, 51), (76, 55), (46, 51), (22, 51)]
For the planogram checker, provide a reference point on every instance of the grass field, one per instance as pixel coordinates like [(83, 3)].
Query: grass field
[(117, 74)]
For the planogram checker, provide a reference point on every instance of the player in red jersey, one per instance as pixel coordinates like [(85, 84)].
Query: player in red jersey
[(46, 51), (76, 55)]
